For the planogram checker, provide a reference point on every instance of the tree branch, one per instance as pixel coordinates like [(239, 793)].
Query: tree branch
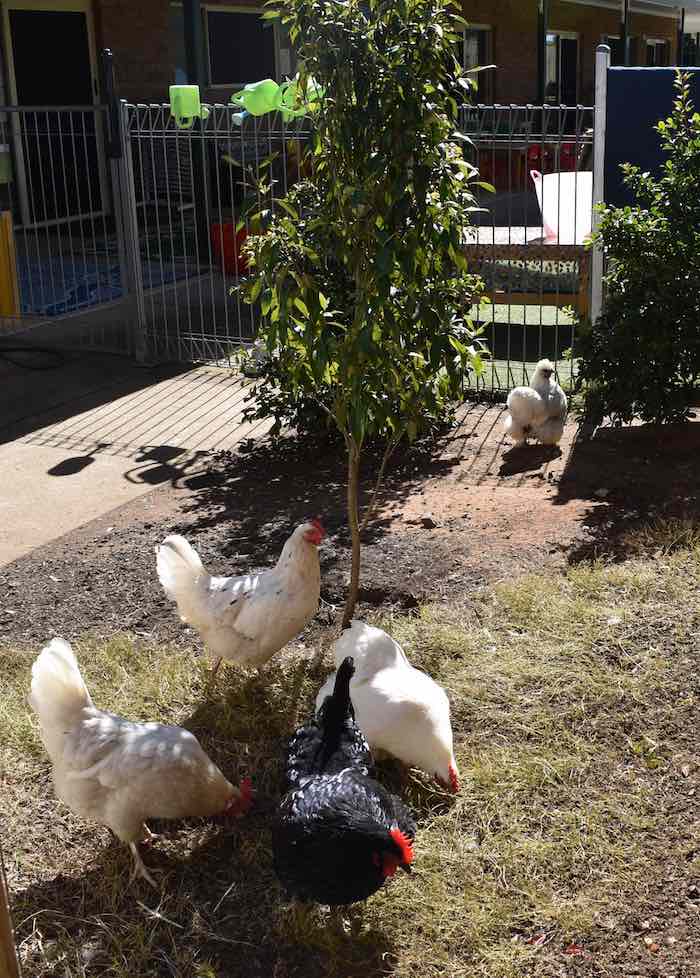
[(388, 452), (353, 488)]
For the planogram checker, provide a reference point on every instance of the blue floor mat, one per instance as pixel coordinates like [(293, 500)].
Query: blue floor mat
[(58, 286)]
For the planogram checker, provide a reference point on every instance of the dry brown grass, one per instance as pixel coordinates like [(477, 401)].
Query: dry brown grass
[(574, 702)]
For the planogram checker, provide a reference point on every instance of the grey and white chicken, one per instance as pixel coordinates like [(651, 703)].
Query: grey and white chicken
[(245, 619), (538, 411), (118, 772)]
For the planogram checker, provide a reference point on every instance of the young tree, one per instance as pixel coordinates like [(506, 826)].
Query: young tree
[(361, 275), (642, 357)]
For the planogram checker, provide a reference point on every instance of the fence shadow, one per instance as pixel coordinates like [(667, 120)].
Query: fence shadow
[(33, 399)]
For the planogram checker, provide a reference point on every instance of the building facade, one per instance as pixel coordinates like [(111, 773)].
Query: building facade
[(147, 39)]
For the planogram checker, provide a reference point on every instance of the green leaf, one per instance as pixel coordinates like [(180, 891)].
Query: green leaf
[(256, 289), (363, 264), (292, 211)]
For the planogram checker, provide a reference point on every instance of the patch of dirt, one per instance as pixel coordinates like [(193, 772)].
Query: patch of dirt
[(453, 517)]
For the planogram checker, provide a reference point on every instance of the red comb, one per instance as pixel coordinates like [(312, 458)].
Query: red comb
[(404, 844), (454, 779), (318, 524), (241, 805)]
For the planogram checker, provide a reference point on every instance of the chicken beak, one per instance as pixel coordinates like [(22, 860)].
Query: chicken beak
[(406, 868)]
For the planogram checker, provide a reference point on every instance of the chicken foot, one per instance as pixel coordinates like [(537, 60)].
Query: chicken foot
[(140, 867)]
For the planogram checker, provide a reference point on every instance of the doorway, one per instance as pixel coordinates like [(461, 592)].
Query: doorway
[(562, 68), (59, 155)]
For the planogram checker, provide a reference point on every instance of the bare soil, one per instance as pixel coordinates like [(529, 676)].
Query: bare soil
[(453, 517)]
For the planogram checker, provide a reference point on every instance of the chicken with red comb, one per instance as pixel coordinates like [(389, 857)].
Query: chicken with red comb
[(246, 619), (119, 772), (402, 710), (339, 834)]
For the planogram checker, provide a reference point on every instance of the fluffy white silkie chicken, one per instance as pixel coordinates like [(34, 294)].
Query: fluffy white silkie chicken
[(537, 411), (400, 710), (245, 619), (117, 772)]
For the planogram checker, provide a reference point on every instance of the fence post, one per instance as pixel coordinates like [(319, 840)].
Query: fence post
[(9, 965), (602, 63), (115, 152), (133, 268)]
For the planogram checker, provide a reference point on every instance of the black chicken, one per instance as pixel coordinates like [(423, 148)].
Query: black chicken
[(339, 833)]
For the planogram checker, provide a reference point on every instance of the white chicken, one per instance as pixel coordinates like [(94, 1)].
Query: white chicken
[(400, 710), (538, 411), (245, 619), (117, 772)]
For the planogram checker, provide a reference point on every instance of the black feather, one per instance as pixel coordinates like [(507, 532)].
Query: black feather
[(335, 819)]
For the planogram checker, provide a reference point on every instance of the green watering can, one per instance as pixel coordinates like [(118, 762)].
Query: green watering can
[(267, 95), (185, 105)]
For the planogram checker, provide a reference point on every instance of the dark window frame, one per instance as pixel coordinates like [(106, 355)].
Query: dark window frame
[(238, 11)]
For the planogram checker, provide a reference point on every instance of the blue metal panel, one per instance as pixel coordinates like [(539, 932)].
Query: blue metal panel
[(638, 98)]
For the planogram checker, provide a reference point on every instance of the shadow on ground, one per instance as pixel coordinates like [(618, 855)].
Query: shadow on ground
[(633, 475), (73, 384), (265, 488)]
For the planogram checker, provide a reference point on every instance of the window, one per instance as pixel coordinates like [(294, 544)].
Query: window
[(240, 46), (177, 42), (656, 53), (617, 55), (561, 78), (475, 50)]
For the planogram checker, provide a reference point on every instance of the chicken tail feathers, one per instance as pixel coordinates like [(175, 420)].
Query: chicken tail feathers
[(337, 709), (341, 690), (58, 692), (180, 570)]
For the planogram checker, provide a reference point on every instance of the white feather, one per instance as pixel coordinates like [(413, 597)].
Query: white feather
[(244, 619), (538, 411), (113, 770), (400, 709)]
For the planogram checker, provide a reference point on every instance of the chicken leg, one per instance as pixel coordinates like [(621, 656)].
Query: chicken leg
[(140, 867)]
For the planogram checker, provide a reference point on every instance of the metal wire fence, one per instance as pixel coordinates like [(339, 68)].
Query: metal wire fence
[(190, 192), (132, 229), (529, 242), (56, 256)]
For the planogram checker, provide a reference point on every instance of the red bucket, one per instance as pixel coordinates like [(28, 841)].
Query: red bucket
[(227, 247)]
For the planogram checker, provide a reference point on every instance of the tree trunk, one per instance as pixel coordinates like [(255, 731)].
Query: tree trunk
[(354, 524)]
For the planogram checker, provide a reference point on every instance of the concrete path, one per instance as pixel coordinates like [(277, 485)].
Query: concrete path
[(95, 432)]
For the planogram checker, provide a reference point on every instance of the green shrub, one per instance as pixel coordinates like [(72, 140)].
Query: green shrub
[(642, 358)]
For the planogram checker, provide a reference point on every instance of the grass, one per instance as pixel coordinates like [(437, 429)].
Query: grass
[(573, 705)]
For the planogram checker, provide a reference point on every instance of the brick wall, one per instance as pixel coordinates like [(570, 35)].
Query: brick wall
[(514, 26), (138, 31), (139, 34)]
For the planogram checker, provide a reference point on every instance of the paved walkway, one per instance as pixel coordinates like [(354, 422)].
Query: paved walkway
[(96, 432)]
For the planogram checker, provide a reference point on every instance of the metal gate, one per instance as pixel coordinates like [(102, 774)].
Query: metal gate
[(62, 267), (186, 193)]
